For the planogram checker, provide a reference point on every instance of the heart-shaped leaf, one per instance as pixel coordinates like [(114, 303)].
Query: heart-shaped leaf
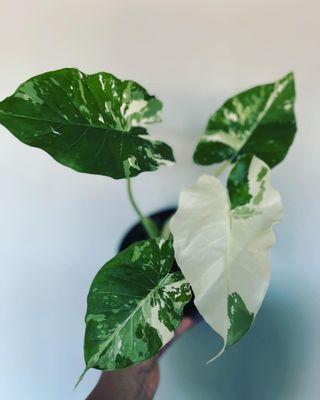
[(222, 248), (259, 121), (91, 123), (134, 306)]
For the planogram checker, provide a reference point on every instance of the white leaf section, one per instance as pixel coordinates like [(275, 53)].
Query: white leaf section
[(223, 253)]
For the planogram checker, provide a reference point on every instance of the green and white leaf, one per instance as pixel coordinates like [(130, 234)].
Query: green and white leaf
[(134, 306), (259, 121), (221, 246), (90, 123)]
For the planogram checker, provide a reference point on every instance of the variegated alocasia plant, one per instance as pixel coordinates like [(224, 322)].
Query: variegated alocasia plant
[(220, 237)]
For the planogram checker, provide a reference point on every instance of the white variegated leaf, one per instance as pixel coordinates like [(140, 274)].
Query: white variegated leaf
[(221, 245), (134, 306), (259, 121)]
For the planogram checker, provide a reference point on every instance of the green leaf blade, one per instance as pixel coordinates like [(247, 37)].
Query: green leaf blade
[(238, 182), (90, 123), (259, 121), (134, 306)]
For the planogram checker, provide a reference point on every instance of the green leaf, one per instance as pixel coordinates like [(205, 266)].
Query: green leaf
[(90, 123), (134, 306), (259, 121), (238, 183), (239, 186), (222, 248)]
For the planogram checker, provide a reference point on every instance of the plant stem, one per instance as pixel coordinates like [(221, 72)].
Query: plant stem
[(221, 168), (147, 223), (165, 231)]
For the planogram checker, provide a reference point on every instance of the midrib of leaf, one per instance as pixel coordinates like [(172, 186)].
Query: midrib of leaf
[(102, 127)]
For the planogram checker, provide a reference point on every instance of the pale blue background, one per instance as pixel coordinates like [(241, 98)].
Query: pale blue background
[(57, 227)]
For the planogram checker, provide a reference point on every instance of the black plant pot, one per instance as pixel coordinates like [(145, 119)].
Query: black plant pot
[(137, 233)]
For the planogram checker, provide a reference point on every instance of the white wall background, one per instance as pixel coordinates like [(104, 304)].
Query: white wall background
[(57, 227)]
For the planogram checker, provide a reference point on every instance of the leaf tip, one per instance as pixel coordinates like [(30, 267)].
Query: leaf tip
[(80, 378)]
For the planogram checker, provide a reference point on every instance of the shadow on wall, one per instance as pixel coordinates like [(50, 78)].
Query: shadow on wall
[(265, 365)]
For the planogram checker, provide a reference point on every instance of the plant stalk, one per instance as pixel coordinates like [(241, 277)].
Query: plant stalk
[(147, 223), (221, 168)]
